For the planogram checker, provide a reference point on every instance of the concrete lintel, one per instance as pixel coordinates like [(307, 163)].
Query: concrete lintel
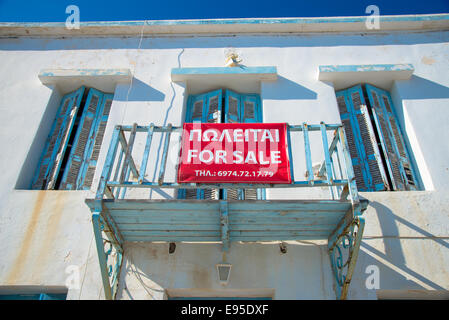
[(265, 73), (52, 76), (69, 79), (382, 75)]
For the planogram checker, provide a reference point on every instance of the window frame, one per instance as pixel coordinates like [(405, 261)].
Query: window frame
[(224, 117)]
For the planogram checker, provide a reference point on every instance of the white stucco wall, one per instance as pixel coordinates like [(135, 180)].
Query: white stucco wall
[(41, 233)]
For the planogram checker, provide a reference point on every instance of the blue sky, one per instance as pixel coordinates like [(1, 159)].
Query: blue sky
[(115, 10)]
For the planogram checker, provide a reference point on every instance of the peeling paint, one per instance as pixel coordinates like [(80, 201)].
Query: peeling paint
[(201, 277), (428, 60), (366, 68)]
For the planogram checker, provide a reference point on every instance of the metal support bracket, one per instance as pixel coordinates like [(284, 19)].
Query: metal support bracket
[(343, 245), (110, 254), (224, 223)]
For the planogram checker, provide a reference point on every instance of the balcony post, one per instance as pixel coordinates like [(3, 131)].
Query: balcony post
[(308, 153), (290, 154), (129, 161), (164, 154), (107, 247), (108, 164), (104, 225), (352, 187), (146, 153)]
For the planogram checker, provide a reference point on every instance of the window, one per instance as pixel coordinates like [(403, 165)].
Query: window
[(414, 294), (70, 155), (37, 296), (220, 298), (230, 107), (379, 156)]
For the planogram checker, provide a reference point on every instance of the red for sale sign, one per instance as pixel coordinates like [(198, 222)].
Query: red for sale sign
[(234, 153)]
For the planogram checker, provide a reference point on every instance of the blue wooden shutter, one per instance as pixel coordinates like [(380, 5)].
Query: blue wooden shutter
[(250, 108), (366, 161), (85, 180), (214, 107), (56, 144), (244, 108), (393, 146), (196, 109), (81, 164), (232, 107), (206, 107)]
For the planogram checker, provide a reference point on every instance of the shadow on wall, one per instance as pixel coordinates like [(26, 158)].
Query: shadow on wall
[(394, 273), (149, 268), (140, 91), (389, 228), (32, 158), (145, 281), (420, 89), (285, 89)]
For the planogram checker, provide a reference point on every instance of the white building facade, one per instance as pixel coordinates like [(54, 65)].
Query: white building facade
[(288, 70)]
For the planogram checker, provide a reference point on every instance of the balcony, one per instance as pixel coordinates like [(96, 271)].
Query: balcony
[(122, 211)]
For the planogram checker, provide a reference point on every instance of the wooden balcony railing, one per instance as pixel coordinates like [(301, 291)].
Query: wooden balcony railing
[(120, 215), (120, 171)]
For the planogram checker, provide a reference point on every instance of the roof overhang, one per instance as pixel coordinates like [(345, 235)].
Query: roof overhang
[(426, 22)]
